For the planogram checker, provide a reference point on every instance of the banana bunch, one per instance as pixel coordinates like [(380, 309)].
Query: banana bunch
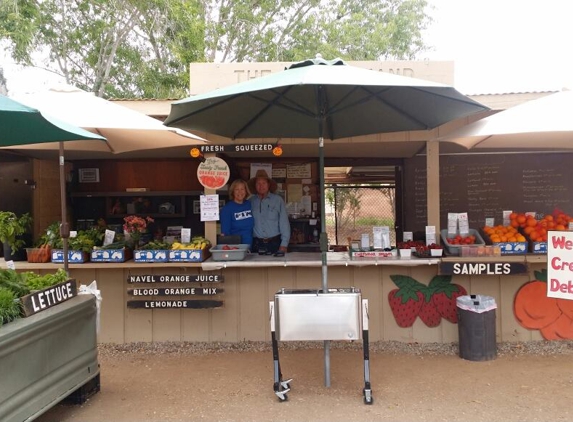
[(197, 242)]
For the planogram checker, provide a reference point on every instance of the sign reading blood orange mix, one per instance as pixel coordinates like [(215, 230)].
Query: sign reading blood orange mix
[(213, 173)]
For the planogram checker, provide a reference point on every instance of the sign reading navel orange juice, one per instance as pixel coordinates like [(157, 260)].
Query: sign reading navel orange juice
[(213, 173)]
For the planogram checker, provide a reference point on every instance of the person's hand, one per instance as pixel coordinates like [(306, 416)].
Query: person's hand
[(283, 249)]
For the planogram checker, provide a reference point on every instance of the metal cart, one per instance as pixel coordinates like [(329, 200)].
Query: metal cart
[(302, 315)]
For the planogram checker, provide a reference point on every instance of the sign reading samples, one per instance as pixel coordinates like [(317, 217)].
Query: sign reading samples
[(178, 303), (482, 268)]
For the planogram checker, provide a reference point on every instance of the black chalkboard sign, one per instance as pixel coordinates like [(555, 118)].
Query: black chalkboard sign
[(484, 185)]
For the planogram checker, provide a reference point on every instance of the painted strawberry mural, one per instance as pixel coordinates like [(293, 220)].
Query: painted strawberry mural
[(405, 301), (431, 303), (444, 295)]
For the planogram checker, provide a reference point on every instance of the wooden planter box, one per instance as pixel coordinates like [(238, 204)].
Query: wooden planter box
[(47, 357)]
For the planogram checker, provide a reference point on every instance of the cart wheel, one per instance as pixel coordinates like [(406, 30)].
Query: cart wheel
[(368, 399), (282, 395)]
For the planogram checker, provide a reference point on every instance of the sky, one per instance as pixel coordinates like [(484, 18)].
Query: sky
[(503, 46), (497, 46)]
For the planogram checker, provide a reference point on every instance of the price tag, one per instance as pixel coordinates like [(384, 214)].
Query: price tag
[(73, 233), (185, 235), (490, 222), (452, 223), (464, 223), (571, 225), (109, 236), (430, 235), (365, 243), (506, 218), (408, 236), (10, 265)]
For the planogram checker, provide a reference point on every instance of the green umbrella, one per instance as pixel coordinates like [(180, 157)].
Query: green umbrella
[(23, 125), (322, 99)]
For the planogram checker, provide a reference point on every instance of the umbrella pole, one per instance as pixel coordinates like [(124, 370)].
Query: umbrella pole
[(323, 250), (64, 227)]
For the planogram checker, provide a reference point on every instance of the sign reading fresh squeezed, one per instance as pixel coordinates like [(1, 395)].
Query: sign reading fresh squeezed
[(560, 264)]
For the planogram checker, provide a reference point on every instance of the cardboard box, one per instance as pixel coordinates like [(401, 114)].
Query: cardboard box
[(537, 247), (189, 255), (111, 255), (507, 248), (151, 255), (74, 257)]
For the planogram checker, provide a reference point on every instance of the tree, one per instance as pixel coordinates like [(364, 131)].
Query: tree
[(346, 203), (141, 48)]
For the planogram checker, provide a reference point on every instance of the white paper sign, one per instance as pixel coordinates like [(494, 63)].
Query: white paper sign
[(278, 173), (381, 237), (452, 223), (408, 236), (430, 235), (365, 243), (10, 265), (490, 222), (109, 236), (506, 214), (298, 171), (185, 235), (559, 272), (73, 233), (209, 207), (463, 223)]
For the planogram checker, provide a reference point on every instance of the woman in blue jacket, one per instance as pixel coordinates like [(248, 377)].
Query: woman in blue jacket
[(236, 215)]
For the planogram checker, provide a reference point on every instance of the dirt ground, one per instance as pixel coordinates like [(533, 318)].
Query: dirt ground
[(237, 386)]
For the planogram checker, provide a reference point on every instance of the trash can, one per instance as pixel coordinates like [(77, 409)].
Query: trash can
[(476, 327)]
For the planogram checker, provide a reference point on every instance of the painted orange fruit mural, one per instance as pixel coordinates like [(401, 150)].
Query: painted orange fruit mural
[(535, 311)]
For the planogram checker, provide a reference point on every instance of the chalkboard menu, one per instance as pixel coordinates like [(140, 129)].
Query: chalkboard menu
[(485, 185)]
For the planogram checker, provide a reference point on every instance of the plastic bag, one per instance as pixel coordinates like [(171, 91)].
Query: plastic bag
[(92, 289), (476, 303)]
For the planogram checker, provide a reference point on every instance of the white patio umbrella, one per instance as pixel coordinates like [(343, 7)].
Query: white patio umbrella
[(542, 124), (126, 130)]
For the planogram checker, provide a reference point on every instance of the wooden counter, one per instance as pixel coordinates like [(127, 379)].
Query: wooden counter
[(250, 284)]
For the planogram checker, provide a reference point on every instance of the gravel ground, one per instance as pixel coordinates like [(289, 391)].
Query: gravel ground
[(538, 348), (414, 382)]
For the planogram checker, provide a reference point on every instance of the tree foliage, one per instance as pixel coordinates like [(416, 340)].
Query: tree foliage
[(141, 48)]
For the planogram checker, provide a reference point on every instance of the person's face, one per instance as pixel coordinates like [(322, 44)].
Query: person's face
[(262, 186), (240, 193)]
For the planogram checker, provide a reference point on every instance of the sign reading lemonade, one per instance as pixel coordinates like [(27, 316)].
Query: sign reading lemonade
[(213, 173)]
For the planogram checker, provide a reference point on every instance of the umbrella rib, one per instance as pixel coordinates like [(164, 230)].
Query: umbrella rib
[(269, 104), (297, 108), (202, 109)]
